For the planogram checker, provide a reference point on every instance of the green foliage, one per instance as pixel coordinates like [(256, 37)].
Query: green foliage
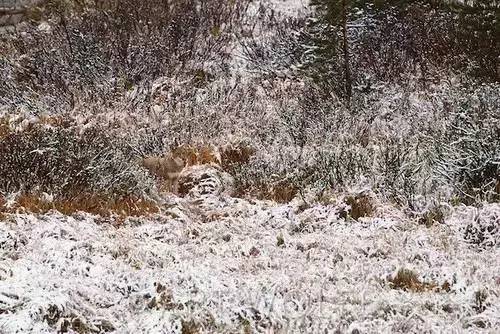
[(387, 40)]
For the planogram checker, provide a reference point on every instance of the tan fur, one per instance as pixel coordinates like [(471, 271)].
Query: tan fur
[(199, 154), (167, 168)]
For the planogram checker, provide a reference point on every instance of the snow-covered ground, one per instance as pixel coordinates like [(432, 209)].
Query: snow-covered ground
[(217, 264)]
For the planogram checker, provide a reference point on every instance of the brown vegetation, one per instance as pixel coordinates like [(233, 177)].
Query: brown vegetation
[(281, 191), (362, 205), (408, 280), (4, 128), (94, 204), (236, 155)]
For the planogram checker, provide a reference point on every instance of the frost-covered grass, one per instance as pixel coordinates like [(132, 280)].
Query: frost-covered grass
[(82, 100), (225, 265)]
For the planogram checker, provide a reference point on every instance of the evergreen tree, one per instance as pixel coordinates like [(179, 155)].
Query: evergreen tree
[(333, 19), (347, 40)]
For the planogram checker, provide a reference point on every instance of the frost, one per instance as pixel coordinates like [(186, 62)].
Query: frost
[(389, 218), (230, 272)]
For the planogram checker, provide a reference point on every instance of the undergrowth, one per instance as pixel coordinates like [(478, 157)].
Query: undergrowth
[(119, 84)]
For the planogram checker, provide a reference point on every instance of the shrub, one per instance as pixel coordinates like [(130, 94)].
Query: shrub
[(362, 205), (164, 68), (408, 280), (236, 155), (96, 51), (467, 155), (484, 229), (67, 164)]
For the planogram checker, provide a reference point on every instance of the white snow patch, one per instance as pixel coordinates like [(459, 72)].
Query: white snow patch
[(230, 264)]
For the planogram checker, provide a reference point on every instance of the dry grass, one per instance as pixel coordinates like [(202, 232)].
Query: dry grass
[(125, 206), (362, 205), (283, 192), (236, 155), (189, 327), (4, 128), (408, 280), (279, 192)]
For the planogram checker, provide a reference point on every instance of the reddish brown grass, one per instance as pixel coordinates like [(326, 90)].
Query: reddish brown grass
[(362, 205), (236, 155), (283, 193), (408, 280), (95, 204)]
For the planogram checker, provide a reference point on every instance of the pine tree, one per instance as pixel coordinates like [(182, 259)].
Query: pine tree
[(431, 37), (333, 39), (334, 17)]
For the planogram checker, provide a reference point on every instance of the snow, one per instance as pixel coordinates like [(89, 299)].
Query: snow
[(215, 261), (211, 263), (292, 8)]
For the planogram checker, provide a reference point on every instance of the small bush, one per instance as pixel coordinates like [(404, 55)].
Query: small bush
[(64, 162), (408, 280), (52, 165), (484, 230), (190, 327), (236, 155), (96, 51), (467, 154), (362, 205)]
